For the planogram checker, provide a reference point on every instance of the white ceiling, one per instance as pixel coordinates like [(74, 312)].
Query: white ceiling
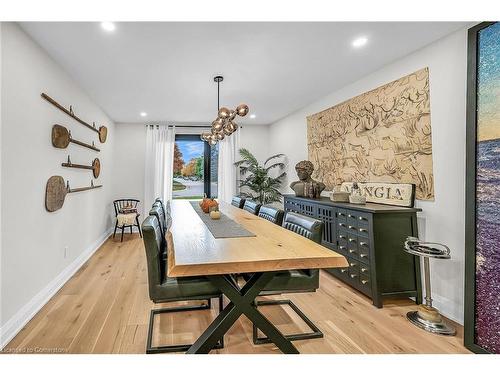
[(166, 69)]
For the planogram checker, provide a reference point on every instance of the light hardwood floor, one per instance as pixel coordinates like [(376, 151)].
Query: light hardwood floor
[(104, 308)]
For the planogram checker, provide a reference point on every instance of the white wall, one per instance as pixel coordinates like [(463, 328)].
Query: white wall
[(256, 139), (34, 263), (443, 219), (129, 155)]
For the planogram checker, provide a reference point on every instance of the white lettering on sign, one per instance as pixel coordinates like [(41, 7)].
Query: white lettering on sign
[(385, 193)]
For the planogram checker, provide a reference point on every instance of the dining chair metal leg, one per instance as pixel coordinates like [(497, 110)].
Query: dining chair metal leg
[(241, 302), (116, 225), (123, 230), (174, 348), (315, 334)]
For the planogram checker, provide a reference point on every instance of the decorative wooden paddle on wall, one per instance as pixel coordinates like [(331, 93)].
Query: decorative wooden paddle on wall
[(56, 190), (61, 138), (95, 167), (102, 131)]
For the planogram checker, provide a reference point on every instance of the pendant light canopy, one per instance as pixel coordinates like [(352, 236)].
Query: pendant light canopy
[(224, 124)]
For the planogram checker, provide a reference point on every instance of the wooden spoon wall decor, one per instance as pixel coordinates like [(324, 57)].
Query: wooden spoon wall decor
[(95, 167), (56, 190), (102, 131), (61, 138)]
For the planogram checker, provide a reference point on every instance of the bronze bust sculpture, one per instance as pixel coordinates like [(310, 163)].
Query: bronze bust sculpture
[(306, 186)]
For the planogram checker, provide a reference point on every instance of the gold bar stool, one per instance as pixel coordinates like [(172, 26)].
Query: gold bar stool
[(428, 317)]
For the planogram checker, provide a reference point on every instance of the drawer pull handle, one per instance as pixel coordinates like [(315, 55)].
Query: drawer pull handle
[(352, 240), (341, 225), (364, 281), (352, 264), (351, 227), (343, 270), (363, 255), (362, 230), (341, 214), (351, 216), (363, 218), (342, 247), (364, 269), (351, 251), (342, 236), (353, 275), (363, 243)]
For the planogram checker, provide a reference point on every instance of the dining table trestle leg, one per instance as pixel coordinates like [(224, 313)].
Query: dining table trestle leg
[(241, 303)]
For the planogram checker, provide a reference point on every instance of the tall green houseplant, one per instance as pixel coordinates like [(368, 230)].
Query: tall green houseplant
[(264, 188)]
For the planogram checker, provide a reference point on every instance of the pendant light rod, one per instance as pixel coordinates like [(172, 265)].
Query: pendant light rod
[(218, 79)]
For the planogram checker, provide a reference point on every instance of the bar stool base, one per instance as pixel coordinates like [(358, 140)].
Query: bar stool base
[(440, 328)]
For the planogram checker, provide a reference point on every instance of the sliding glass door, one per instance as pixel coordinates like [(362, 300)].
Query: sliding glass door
[(195, 168)]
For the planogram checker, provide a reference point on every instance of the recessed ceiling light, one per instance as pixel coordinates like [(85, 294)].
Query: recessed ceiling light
[(143, 114), (108, 26), (252, 116), (359, 42)]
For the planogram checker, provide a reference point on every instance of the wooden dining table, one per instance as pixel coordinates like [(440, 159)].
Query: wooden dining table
[(193, 251)]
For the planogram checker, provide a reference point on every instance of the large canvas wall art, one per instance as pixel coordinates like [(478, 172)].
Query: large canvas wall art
[(383, 135), (482, 302)]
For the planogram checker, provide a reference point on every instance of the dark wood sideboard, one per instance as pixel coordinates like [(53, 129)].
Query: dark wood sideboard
[(371, 237)]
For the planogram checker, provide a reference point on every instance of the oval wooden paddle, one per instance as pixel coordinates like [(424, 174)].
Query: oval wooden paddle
[(56, 190), (95, 167), (102, 131), (61, 138)]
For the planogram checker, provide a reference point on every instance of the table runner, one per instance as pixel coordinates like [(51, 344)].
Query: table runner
[(225, 227)]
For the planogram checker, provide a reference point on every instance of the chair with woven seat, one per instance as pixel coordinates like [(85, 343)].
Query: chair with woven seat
[(294, 281), (274, 215), (252, 207), (126, 215), (170, 289), (238, 202)]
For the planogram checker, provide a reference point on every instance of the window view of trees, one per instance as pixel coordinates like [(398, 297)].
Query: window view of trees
[(188, 182)]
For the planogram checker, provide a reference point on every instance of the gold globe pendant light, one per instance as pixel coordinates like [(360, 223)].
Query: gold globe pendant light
[(224, 124)]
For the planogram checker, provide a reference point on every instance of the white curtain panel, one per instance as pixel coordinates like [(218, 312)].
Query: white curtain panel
[(159, 165), (228, 173)]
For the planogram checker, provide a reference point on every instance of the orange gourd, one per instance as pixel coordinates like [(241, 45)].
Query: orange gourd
[(207, 203)]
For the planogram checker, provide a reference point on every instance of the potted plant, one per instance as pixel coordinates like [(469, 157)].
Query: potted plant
[(263, 188)]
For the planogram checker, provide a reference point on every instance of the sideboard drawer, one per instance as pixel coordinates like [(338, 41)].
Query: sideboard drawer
[(352, 246)]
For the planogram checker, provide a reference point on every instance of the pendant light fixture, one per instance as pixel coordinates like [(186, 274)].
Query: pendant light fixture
[(224, 124)]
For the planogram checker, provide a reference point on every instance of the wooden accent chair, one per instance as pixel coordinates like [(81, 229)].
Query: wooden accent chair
[(125, 209)]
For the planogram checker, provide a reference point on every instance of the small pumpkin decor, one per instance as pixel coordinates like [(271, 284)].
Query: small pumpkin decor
[(207, 204), (215, 214)]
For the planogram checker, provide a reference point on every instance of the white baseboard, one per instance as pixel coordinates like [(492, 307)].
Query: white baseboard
[(12, 327), (448, 308)]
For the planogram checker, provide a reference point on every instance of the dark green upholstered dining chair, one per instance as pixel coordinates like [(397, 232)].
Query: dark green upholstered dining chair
[(295, 281), (252, 207), (238, 202), (166, 208), (170, 289), (157, 212), (274, 215)]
